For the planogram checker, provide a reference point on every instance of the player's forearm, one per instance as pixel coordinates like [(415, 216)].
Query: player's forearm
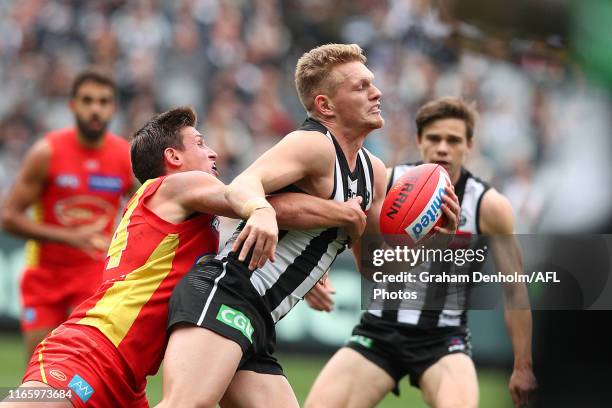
[(367, 273), (519, 326), (519, 323), (508, 258), (364, 254), (364, 259), (243, 191), (302, 211), (19, 224)]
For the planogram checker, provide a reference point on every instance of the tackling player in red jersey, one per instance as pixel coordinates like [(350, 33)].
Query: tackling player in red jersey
[(73, 179), (111, 342)]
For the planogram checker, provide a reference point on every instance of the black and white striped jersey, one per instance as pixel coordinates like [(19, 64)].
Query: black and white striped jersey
[(302, 257), (439, 304)]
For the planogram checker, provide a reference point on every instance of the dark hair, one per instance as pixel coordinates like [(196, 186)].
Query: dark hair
[(150, 141), (444, 108), (93, 76)]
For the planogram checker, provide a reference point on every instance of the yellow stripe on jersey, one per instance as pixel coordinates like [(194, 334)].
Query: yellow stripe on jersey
[(119, 242), (40, 362), (117, 310), (32, 248)]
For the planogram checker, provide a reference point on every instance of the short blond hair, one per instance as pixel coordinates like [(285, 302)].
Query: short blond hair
[(312, 73)]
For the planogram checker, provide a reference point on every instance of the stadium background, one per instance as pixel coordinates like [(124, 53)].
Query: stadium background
[(538, 71)]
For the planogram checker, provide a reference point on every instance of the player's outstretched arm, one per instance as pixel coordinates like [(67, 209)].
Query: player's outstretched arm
[(298, 155), (27, 191), (497, 222), (182, 194)]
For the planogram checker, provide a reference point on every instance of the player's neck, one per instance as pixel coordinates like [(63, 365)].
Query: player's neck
[(350, 146), (456, 176), (350, 140), (89, 144)]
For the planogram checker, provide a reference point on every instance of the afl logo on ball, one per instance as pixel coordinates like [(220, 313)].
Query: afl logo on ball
[(58, 375)]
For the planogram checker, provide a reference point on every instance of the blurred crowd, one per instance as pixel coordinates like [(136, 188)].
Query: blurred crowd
[(233, 61)]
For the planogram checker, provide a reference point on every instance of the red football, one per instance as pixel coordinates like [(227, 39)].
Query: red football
[(413, 205)]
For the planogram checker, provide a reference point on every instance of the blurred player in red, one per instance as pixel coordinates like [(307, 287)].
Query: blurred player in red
[(112, 341), (73, 180)]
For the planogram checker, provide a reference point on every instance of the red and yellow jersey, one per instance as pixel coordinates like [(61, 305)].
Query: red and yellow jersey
[(83, 185), (146, 259)]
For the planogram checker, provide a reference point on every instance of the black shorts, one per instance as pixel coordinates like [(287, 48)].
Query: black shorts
[(402, 349), (219, 296)]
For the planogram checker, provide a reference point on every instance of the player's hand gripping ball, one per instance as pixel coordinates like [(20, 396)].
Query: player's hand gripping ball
[(413, 206)]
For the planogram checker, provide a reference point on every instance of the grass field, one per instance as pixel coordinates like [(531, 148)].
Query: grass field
[(300, 370)]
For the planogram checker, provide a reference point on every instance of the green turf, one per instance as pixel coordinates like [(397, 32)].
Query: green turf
[(300, 370)]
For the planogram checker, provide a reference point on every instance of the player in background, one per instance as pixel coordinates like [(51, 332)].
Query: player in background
[(73, 180), (432, 344), (113, 340), (222, 314)]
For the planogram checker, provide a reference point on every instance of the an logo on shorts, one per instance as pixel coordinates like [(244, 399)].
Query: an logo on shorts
[(81, 387), (456, 343), (361, 340), (236, 319), (29, 315), (58, 375)]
